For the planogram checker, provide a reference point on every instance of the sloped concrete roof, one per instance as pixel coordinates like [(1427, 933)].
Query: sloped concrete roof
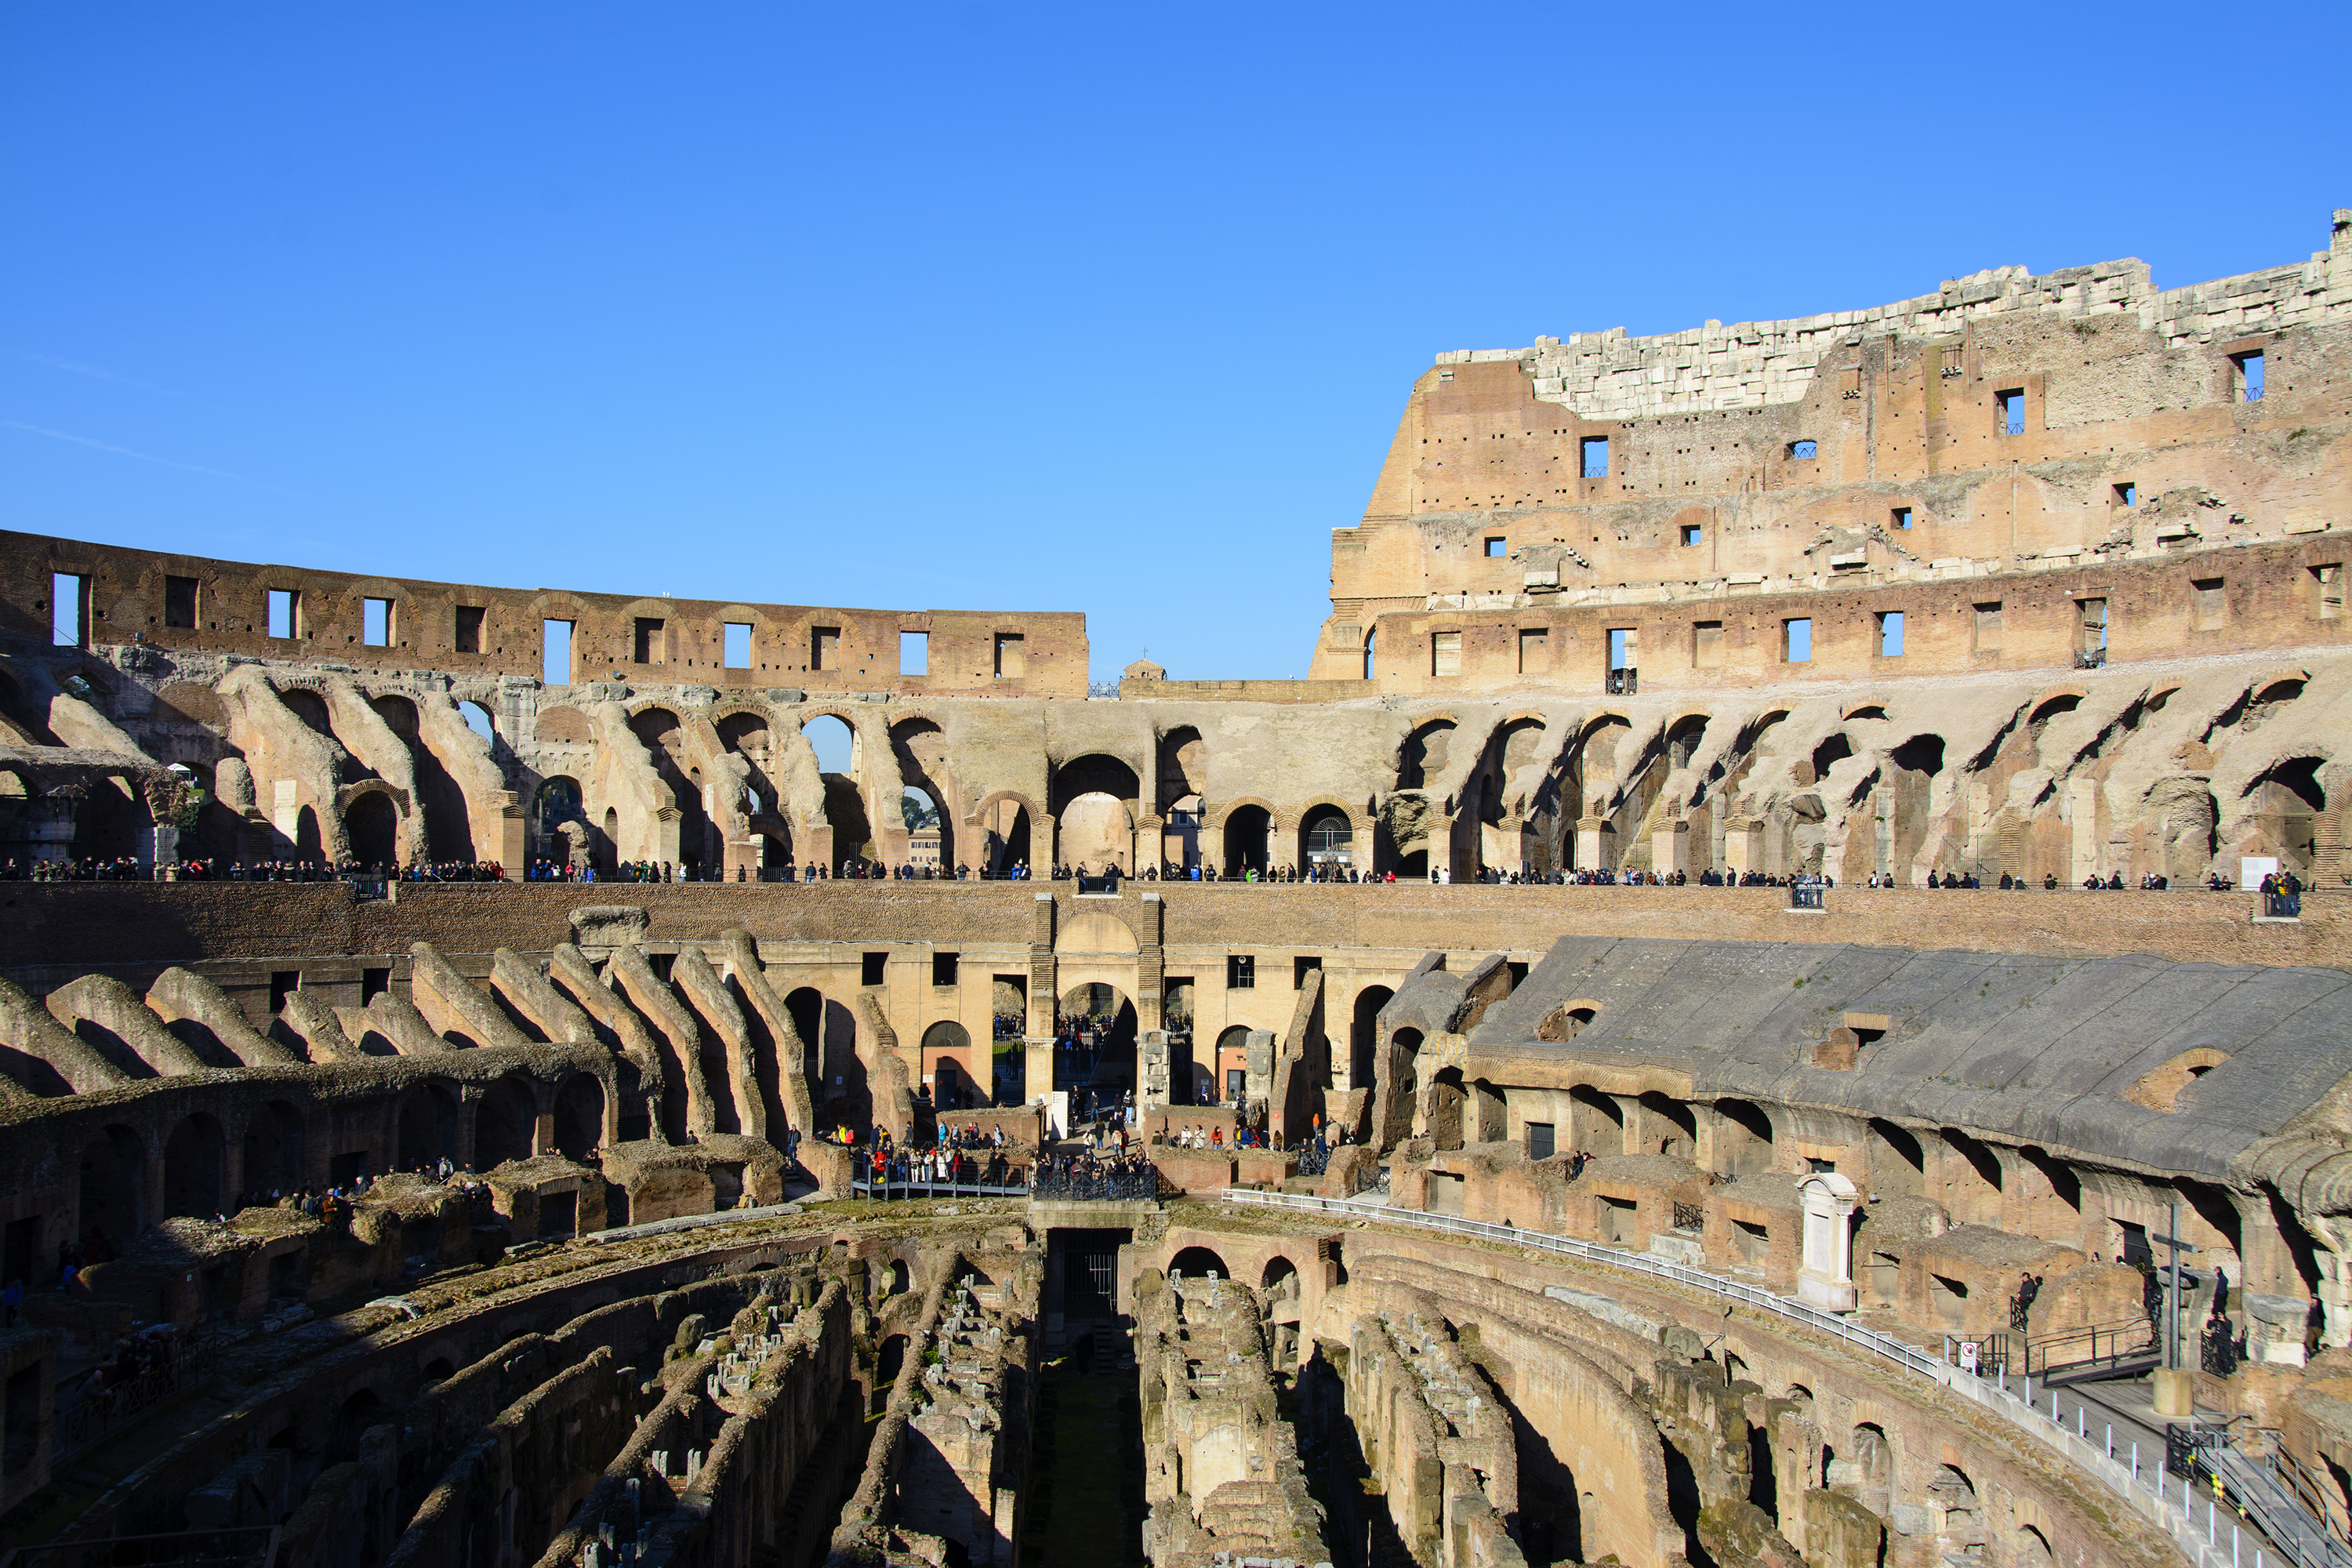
[(2040, 1050)]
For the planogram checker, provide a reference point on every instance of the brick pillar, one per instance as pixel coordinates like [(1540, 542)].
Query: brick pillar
[(1150, 962), (512, 852), (1043, 999)]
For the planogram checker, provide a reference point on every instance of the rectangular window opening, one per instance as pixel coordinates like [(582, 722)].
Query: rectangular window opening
[(825, 648), (1535, 650), (282, 607), (1595, 452), (1012, 656), (943, 968), (1240, 972), (2249, 377), (1706, 645), (2327, 590), (735, 645), (1623, 645), (1690, 534), (1540, 1143), (1496, 549), (1899, 518), (914, 652), (1300, 968), (555, 653), (468, 629), (283, 982), (870, 967), (1797, 640), (2091, 634), (651, 641), (2127, 494), (375, 621), (2010, 405), (1446, 653), (180, 602), (1989, 626), (1890, 633), (373, 983), (2212, 604)]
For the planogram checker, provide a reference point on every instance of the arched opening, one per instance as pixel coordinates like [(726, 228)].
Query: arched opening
[(1247, 829), (1326, 840), (555, 805), (664, 741), (947, 1066), (1363, 1035), (1423, 756), (429, 1127), (579, 1116), (829, 1054), (1094, 833), (888, 1363), (1229, 1073), (1596, 1124), (309, 845), (478, 720), (840, 764), (360, 1414), (113, 1190), (921, 749), (1280, 1281), (195, 1167), (371, 823), (1093, 1047), (608, 849), (273, 1149), (1446, 1096), (1673, 1128), (504, 1122), (1896, 1163), (747, 736), (1743, 1139), (1198, 1263)]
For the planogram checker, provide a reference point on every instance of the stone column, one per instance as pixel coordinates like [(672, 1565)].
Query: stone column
[(1044, 1000), (1826, 1277), (1150, 962), (1670, 846), (1596, 843), (512, 852), (1743, 845)]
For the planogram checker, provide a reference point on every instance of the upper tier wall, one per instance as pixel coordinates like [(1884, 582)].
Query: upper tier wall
[(132, 597)]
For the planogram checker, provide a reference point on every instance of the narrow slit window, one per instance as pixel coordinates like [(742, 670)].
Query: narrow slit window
[(375, 621), (1595, 452), (1890, 633), (69, 599), (1371, 648), (2008, 407), (556, 652), (1797, 640), (735, 645), (282, 605), (914, 652)]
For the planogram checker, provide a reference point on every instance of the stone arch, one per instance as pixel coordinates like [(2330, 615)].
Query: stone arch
[(373, 814), (1568, 1020), (1003, 837), (563, 726), (1329, 834), (1197, 1262), (429, 1126), (505, 1121), (2160, 1088), (1363, 1035), (1246, 827), (1426, 750), (112, 1194), (273, 1147), (195, 1167), (947, 1063), (919, 746), (579, 1115), (1096, 932)]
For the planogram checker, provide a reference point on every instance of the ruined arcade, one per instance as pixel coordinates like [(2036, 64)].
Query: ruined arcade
[(1724, 986)]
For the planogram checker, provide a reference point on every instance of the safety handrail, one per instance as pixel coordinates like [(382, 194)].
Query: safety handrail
[(2298, 1537)]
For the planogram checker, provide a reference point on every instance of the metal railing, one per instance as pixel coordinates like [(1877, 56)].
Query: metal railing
[(1624, 682), (100, 1410), (2270, 1505), (1099, 1186), (1805, 895), (2090, 1348)]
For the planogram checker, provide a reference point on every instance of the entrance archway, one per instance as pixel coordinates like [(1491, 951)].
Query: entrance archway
[(503, 1123), (114, 1186), (1197, 1263), (1249, 830), (1229, 1075), (1093, 1047), (1364, 1035), (372, 825), (429, 1126), (579, 1116), (192, 1167), (947, 1066)]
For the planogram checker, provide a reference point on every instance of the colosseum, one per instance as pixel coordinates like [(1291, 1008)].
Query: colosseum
[(1811, 865)]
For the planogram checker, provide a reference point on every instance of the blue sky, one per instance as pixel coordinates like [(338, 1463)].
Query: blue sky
[(1107, 308)]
